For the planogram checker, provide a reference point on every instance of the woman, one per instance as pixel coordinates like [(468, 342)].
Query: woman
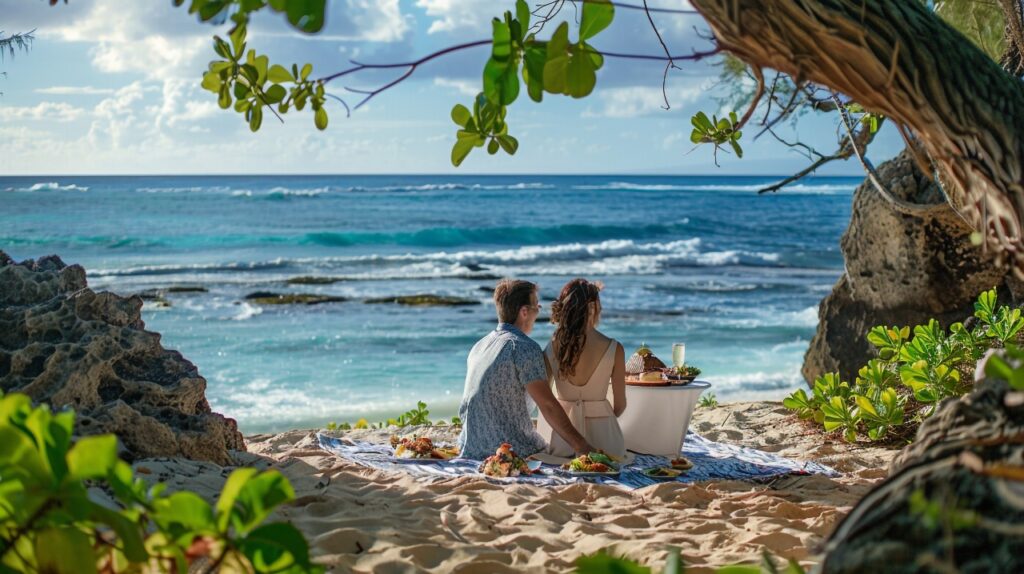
[(585, 367)]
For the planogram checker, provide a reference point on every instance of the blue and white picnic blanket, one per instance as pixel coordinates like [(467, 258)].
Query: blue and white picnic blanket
[(711, 460)]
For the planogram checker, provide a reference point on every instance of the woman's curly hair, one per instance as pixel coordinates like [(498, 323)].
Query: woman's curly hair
[(570, 313)]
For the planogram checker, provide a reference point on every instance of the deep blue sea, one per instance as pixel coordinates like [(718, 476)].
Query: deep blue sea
[(695, 259)]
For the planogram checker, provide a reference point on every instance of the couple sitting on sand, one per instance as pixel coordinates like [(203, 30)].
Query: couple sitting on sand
[(570, 381)]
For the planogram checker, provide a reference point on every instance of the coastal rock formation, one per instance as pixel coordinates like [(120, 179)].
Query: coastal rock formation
[(268, 298), (905, 263), (63, 344), (955, 499), (425, 300)]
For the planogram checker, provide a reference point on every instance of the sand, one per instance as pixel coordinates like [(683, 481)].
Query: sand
[(363, 520)]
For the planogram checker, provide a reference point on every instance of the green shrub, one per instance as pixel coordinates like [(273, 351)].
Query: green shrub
[(49, 523), (605, 563), (708, 401), (415, 417), (910, 376)]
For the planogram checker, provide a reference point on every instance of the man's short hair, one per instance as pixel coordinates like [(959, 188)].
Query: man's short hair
[(510, 295)]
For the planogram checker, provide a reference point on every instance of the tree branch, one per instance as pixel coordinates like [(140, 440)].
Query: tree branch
[(668, 65), (411, 66)]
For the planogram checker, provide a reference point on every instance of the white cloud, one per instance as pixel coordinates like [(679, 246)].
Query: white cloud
[(671, 139), (74, 91), (377, 20), (464, 87), (640, 101), (115, 117), (452, 15), (53, 111)]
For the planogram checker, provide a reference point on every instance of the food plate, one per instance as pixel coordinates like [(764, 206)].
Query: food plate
[(575, 473), (683, 380), (534, 465), (663, 473)]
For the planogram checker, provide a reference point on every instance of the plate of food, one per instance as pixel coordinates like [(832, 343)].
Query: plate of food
[(593, 464), (682, 375), (681, 464), (662, 473), (505, 463), (643, 369), (419, 448)]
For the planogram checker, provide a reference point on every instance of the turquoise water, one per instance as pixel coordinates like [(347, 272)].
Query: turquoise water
[(703, 260)]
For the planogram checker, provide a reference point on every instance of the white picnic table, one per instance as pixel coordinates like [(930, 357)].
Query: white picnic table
[(656, 417)]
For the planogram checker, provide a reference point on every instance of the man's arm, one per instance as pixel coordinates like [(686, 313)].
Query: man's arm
[(552, 410)]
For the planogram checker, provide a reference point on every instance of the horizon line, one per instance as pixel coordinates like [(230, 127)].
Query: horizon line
[(437, 174)]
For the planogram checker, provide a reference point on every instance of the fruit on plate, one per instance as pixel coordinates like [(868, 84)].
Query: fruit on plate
[(681, 463), (643, 360), (682, 372), (593, 462)]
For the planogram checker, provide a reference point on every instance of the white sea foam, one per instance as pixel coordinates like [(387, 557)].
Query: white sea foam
[(190, 189), (247, 311), (49, 186)]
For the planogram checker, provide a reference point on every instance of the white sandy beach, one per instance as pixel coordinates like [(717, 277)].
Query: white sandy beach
[(363, 520)]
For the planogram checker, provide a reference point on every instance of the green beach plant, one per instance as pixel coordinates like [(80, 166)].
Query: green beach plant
[(910, 376), (418, 416), (604, 562), (50, 523), (708, 401)]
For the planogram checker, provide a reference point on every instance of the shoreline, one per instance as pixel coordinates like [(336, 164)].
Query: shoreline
[(359, 519)]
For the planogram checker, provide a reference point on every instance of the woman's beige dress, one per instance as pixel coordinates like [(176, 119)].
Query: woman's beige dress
[(588, 407)]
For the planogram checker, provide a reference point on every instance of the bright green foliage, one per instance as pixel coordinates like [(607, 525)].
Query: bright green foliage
[(48, 522), (486, 123), (556, 66), (718, 131), (996, 367), (910, 373), (304, 15), (708, 401), (255, 86), (418, 416)]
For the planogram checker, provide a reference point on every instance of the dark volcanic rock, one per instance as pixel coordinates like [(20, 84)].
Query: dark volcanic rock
[(267, 298), (901, 269), (967, 463), (66, 345), (424, 300)]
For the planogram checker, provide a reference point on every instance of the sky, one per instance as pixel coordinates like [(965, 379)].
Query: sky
[(113, 87)]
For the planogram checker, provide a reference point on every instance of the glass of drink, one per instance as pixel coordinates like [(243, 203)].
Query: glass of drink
[(678, 354)]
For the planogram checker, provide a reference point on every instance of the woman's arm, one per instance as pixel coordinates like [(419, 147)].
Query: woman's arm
[(619, 380)]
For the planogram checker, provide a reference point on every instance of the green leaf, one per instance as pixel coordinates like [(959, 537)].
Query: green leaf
[(700, 121), (501, 46), (275, 94), (508, 143), (501, 81), (279, 74), (460, 150), (229, 493), (211, 81), (64, 550), (523, 16), (92, 457), (535, 57), (306, 15), (275, 547), (255, 118), (597, 15), (129, 533), (493, 147), (461, 115), (580, 75), (320, 119), (736, 148), (257, 498), (307, 69)]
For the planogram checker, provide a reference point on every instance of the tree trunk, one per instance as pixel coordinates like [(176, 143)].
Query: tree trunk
[(896, 58)]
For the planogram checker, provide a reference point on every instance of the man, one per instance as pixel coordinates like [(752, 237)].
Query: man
[(504, 371)]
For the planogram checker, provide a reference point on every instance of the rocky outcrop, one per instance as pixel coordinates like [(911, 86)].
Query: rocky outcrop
[(903, 267), (955, 499), (63, 344)]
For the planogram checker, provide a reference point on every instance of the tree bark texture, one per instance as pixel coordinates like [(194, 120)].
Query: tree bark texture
[(896, 58)]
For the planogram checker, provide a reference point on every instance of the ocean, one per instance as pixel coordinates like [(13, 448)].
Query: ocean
[(702, 260)]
